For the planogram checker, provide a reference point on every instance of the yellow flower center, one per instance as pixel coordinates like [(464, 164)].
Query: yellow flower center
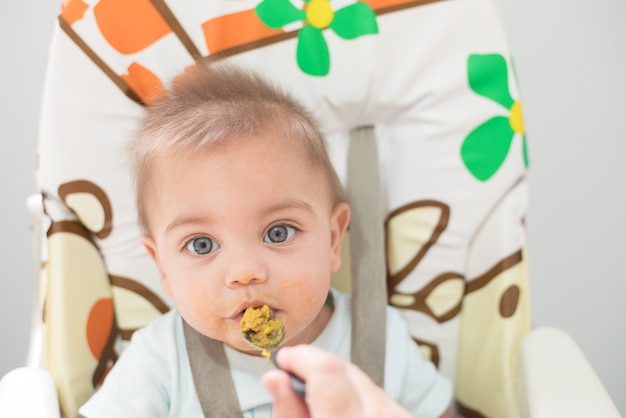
[(516, 119), (319, 13)]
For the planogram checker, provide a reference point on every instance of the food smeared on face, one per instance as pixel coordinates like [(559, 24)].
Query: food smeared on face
[(262, 329)]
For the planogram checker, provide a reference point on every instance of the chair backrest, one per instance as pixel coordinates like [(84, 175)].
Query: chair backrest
[(433, 77)]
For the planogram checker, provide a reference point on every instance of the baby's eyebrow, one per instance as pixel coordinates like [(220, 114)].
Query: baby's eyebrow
[(191, 220), (291, 204), (284, 205)]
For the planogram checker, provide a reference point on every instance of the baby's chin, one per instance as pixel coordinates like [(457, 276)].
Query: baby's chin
[(244, 348), (236, 341)]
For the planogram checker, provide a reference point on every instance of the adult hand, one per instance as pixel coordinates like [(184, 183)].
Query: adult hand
[(334, 388)]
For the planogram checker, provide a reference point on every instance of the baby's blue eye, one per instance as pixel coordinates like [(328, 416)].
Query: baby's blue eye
[(201, 245), (279, 233)]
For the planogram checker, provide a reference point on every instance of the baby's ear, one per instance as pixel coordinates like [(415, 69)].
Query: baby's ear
[(151, 248), (339, 221)]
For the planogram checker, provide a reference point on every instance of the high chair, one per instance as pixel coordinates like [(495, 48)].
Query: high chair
[(422, 113)]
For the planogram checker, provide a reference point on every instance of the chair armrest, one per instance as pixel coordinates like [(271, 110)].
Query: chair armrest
[(28, 392), (556, 380)]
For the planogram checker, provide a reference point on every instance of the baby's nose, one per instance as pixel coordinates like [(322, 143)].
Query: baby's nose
[(245, 279), (246, 269)]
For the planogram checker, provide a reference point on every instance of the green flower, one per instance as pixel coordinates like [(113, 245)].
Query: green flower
[(312, 52), (485, 148)]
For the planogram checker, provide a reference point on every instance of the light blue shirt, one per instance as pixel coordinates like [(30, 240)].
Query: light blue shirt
[(152, 377)]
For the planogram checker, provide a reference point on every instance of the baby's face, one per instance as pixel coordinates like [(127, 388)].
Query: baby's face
[(245, 223)]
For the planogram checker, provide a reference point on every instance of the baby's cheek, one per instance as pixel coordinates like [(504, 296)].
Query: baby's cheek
[(199, 310), (207, 324), (309, 301), (301, 292)]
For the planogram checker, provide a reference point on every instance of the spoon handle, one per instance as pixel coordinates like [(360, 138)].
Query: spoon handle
[(297, 385)]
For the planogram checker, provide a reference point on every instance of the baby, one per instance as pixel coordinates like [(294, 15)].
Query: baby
[(241, 207)]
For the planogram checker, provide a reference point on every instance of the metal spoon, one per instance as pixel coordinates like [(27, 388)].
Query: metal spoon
[(263, 330)]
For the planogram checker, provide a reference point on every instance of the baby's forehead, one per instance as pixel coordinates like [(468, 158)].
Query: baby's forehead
[(235, 162), (282, 145), (230, 166)]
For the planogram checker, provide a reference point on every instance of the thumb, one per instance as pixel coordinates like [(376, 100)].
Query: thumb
[(286, 403)]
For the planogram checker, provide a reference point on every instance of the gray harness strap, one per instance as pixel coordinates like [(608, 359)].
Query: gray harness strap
[(211, 375), (367, 255)]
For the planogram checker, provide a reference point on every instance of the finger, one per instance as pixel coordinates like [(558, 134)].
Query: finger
[(373, 399), (306, 360), (286, 403), (316, 366), (361, 381), (337, 388), (330, 392)]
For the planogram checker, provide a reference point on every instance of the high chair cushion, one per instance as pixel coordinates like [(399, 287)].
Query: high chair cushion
[(434, 77)]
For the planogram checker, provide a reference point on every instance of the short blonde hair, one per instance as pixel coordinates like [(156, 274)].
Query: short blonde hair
[(212, 103)]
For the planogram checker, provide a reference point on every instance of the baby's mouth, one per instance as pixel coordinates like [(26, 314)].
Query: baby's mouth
[(241, 314), (242, 309)]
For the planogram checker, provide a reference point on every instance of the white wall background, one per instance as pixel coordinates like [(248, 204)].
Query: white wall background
[(571, 62), (25, 29)]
